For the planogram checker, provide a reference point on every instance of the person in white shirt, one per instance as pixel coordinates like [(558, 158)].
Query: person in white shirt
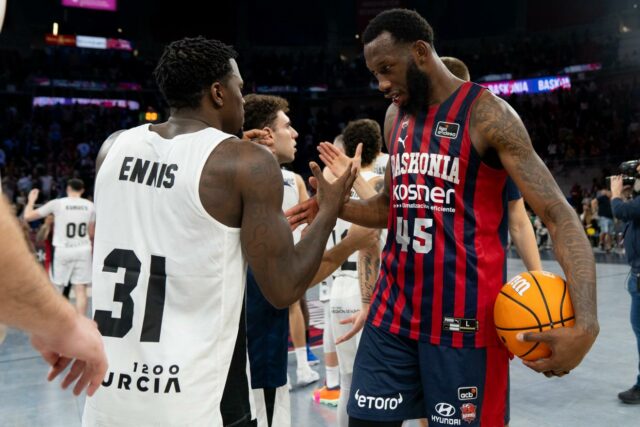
[(74, 219)]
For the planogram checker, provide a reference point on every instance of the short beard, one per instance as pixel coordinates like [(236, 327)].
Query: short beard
[(418, 88)]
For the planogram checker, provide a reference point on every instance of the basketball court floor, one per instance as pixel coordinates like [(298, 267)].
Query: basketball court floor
[(586, 397)]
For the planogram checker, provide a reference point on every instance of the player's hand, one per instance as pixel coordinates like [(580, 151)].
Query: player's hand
[(616, 186), (568, 348), (81, 345), (331, 196), (362, 237), (336, 160), (259, 136), (302, 213), (358, 320), (33, 196)]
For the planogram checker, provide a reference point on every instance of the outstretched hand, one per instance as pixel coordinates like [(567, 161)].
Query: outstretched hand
[(82, 348), (330, 195), (568, 348), (336, 160), (357, 320)]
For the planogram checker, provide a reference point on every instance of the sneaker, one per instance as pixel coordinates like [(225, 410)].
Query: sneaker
[(631, 396), (312, 358), (327, 396), (306, 376)]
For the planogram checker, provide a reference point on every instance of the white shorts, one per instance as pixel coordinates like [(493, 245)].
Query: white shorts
[(281, 407), (71, 265), (345, 302), (328, 340)]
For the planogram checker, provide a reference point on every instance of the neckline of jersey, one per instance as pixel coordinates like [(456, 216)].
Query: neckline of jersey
[(182, 135)]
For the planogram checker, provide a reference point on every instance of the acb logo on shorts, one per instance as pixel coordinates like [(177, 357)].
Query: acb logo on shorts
[(467, 393)]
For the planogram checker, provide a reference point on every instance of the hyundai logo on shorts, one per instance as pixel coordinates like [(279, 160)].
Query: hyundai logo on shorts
[(445, 409)]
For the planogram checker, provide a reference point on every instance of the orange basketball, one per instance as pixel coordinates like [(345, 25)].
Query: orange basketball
[(533, 301)]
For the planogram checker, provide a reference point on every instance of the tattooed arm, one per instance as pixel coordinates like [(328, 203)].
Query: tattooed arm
[(368, 266), (282, 270), (369, 258), (495, 125)]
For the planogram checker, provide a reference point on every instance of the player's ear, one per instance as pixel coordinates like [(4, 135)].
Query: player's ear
[(420, 50), (217, 94)]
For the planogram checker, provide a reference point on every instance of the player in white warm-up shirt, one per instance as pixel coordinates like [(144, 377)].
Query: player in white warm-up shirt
[(74, 219), (359, 271), (181, 208)]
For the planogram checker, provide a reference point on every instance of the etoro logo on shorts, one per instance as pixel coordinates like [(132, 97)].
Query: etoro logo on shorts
[(382, 403)]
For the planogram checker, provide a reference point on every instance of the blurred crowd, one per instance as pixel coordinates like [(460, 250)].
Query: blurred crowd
[(596, 122)]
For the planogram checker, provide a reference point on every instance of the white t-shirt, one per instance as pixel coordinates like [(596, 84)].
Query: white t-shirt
[(72, 216)]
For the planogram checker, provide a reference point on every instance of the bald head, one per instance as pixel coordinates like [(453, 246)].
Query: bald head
[(457, 67)]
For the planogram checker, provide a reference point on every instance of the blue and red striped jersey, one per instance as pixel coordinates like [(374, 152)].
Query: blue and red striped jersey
[(443, 263)]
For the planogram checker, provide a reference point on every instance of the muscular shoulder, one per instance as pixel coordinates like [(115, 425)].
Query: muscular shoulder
[(495, 123), (235, 170), (106, 146)]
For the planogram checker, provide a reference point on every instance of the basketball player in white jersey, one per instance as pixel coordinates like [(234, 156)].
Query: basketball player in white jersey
[(181, 207), (267, 326), (354, 281), (73, 224)]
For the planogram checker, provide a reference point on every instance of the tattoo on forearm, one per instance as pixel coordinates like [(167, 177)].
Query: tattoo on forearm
[(501, 126), (368, 270)]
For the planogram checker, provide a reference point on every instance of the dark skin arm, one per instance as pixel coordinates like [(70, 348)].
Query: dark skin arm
[(495, 125), (249, 176), (371, 213)]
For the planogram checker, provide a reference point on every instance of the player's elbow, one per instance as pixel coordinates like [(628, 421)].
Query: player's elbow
[(284, 296)]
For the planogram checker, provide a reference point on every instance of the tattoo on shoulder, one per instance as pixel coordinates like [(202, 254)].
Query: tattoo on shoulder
[(502, 129)]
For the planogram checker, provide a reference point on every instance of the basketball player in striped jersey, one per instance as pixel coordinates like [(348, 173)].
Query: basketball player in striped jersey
[(181, 207), (429, 348), (73, 225)]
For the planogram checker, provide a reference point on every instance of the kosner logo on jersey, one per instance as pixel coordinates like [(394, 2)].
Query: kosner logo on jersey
[(439, 166), (382, 403)]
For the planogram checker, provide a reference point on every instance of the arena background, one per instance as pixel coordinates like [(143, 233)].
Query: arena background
[(70, 76)]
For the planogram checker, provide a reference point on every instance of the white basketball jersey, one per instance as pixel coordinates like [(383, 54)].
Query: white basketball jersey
[(168, 284), (72, 216), (350, 266), (380, 164), (291, 197)]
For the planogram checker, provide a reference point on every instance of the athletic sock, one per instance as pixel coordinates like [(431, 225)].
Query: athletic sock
[(333, 376), (301, 357)]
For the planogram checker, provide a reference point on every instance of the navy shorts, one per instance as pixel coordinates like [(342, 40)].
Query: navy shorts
[(267, 338), (397, 378)]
